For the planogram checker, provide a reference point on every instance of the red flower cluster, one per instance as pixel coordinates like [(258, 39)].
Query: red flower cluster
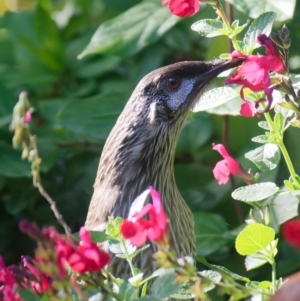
[(183, 8), (254, 73), (8, 284), (39, 282), (228, 166), (85, 257), (137, 229), (291, 232)]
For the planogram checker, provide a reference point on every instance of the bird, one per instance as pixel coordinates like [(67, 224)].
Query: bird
[(139, 152)]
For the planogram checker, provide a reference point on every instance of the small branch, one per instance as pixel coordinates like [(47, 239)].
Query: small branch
[(53, 207)]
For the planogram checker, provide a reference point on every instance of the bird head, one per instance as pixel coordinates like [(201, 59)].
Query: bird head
[(170, 92)]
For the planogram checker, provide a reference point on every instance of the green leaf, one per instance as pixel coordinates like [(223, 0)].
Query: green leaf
[(209, 232), (265, 157), (131, 31), (283, 8), (254, 261), (98, 236), (260, 139), (213, 276), (214, 98), (163, 286), (236, 28), (261, 25), (28, 296), (91, 118), (282, 207), (279, 121), (127, 291), (254, 192), (264, 125), (11, 164), (231, 274), (254, 238), (208, 27)]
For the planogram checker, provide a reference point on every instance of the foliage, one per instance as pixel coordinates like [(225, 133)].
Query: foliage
[(76, 102)]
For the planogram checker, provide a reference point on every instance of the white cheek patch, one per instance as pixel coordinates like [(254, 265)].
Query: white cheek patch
[(152, 111), (179, 97)]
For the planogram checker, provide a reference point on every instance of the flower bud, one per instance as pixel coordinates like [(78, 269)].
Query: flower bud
[(31, 229), (276, 39)]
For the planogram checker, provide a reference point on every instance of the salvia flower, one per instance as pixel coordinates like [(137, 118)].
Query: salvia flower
[(8, 284), (291, 232), (183, 8), (137, 229), (39, 282), (229, 166), (254, 73), (88, 256)]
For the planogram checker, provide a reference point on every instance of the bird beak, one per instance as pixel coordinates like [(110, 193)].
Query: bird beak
[(216, 67)]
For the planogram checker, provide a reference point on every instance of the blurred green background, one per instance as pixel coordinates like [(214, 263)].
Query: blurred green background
[(77, 101)]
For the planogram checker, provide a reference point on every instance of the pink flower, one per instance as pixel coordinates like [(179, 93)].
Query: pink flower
[(8, 284), (27, 117), (39, 281), (291, 232), (88, 257), (63, 252), (247, 109), (183, 8), (154, 228), (254, 72), (228, 166)]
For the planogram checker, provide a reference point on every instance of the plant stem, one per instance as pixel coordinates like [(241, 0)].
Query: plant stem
[(282, 147), (274, 285), (222, 15), (53, 207), (128, 257)]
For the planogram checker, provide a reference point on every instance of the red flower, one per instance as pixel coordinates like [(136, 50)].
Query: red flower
[(183, 8), (8, 284), (254, 72), (137, 229), (63, 252), (228, 166), (247, 109), (39, 281), (88, 257), (291, 232)]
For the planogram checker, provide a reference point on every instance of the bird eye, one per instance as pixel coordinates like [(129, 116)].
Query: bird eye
[(173, 83)]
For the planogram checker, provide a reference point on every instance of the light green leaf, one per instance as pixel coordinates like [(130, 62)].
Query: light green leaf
[(208, 27), (265, 157), (279, 121), (254, 192), (254, 238), (231, 274), (261, 25), (214, 98), (209, 232), (254, 261), (264, 125), (131, 31), (260, 139), (282, 207), (283, 8), (214, 276)]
